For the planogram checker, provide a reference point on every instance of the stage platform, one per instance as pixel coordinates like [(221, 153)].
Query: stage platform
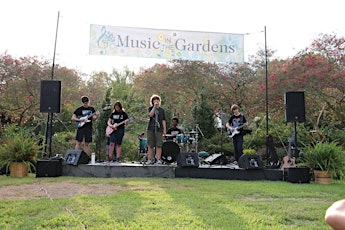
[(136, 169)]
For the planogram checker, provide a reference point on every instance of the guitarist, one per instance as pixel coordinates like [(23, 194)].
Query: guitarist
[(235, 121), (118, 116), (84, 133)]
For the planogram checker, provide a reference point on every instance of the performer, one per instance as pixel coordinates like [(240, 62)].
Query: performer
[(83, 116), (235, 125), (173, 131), (118, 116), (107, 148), (156, 128)]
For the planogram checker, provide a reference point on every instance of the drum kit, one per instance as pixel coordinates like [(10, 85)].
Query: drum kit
[(173, 145)]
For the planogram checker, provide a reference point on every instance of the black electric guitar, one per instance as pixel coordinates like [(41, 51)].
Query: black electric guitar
[(80, 124), (235, 131), (110, 129)]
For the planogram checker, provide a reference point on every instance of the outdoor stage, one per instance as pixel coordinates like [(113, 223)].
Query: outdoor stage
[(173, 170)]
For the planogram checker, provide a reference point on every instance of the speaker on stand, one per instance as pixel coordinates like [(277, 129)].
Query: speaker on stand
[(50, 96), (294, 106), (294, 112)]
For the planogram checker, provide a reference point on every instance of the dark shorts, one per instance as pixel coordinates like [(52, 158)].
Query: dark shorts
[(84, 133), (117, 136), (154, 139)]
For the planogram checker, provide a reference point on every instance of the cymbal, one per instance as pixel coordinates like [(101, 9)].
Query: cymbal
[(192, 132), (169, 135)]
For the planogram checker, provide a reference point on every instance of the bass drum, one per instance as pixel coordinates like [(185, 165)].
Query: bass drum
[(170, 151)]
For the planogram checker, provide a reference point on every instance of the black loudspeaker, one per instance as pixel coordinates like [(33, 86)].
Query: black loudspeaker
[(297, 174), (49, 168), (188, 159), (76, 157), (294, 106), (216, 159), (50, 96), (250, 161)]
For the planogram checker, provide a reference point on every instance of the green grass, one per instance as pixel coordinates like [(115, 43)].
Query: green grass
[(159, 203)]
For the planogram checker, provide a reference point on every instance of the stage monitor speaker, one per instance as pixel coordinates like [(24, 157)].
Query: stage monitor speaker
[(250, 161), (297, 174), (50, 96), (76, 157), (216, 159), (188, 159), (49, 168), (294, 106)]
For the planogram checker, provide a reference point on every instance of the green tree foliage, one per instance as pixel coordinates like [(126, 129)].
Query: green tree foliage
[(204, 117), (188, 89)]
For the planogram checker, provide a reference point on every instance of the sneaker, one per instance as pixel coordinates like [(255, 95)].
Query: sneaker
[(118, 160), (158, 162), (149, 162)]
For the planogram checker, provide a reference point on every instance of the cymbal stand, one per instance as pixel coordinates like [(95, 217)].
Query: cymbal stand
[(197, 129)]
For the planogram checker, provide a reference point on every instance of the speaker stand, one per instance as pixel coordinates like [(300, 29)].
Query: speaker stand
[(296, 150), (48, 136)]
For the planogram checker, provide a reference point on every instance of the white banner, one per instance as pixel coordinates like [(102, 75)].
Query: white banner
[(167, 44)]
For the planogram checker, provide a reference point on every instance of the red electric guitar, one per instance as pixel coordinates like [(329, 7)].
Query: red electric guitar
[(110, 129)]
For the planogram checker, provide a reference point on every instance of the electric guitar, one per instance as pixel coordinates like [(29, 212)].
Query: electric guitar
[(235, 131), (80, 124), (110, 129)]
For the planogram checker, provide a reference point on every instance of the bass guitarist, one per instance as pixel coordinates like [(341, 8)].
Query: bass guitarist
[(235, 125), (83, 116)]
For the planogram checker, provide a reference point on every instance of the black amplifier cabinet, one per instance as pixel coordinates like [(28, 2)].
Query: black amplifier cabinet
[(49, 167), (297, 174)]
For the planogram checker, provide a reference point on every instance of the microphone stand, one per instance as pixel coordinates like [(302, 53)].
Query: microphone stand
[(157, 125), (221, 130)]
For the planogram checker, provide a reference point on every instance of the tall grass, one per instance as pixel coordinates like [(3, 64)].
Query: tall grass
[(158, 203)]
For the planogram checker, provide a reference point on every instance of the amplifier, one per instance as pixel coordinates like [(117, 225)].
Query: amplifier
[(49, 168)]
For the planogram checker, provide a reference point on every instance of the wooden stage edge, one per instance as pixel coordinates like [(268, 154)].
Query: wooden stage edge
[(134, 169)]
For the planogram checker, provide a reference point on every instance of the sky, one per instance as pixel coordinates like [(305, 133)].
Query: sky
[(31, 27)]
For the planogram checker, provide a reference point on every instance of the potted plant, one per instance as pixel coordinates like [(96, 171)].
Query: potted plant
[(18, 152), (327, 159), (249, 151)]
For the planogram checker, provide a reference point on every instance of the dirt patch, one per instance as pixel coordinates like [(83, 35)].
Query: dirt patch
[(55, 190)]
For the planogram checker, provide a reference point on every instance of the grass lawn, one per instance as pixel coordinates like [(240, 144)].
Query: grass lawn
[(159, 203)]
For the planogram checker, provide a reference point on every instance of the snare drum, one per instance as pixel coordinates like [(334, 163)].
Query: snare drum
[(170, 151)]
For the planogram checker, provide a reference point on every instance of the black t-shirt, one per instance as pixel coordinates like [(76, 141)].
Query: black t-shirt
[(161, 117), (236, 121), (174, 131), (85, 112), (118, 117)]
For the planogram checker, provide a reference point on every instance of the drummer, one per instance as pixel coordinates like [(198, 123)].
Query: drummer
[(173, 131)]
